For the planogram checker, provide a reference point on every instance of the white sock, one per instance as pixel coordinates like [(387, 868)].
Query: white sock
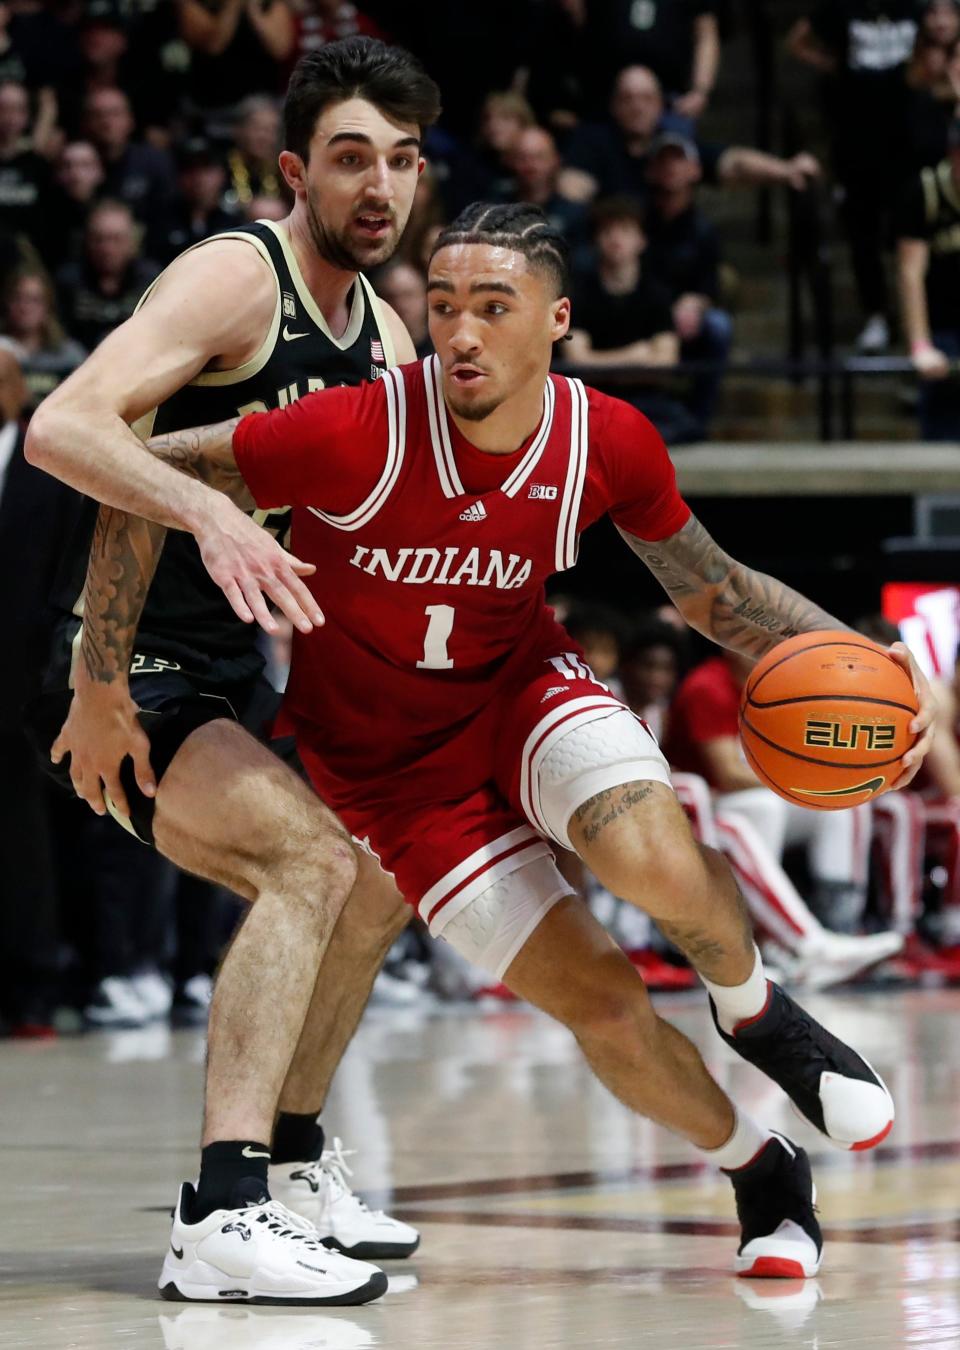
[(744, 1144), (735, 1002)]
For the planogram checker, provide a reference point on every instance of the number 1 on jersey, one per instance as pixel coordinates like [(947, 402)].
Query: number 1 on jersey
[(439, 628)]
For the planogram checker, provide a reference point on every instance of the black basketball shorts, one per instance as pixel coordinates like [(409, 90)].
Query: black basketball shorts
[(172, 706)]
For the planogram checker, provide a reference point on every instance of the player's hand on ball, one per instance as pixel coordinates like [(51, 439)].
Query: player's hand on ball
[(922, 725), (251, 568), (101, 730)]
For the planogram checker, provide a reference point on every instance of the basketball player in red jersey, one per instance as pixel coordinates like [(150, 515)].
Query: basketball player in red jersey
[(455, 728)]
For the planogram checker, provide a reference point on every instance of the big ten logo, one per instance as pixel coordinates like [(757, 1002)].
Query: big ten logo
[(838, 735), (288, 394)]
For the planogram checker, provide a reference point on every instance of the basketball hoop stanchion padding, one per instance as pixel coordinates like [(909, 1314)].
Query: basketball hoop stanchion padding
[(825, 720)]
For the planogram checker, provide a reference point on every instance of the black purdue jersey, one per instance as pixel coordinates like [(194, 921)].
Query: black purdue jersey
[(187, 622)]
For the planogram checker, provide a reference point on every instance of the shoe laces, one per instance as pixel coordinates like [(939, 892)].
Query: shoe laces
[(333, 1163), (283, 1222)]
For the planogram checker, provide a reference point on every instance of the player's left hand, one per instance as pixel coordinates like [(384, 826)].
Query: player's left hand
[(923, 724)]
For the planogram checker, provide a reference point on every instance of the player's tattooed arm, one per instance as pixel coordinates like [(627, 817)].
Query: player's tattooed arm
[(737, 607), (206, 453), (123, 558)]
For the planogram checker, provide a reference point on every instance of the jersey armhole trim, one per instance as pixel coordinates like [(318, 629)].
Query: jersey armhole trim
[(567, 539), (380, 319), (395, 393)]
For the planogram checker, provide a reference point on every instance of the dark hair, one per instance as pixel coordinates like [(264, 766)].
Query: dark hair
[(584, 618), (651, 632), (390, 78), (609, 210), (517, 226)]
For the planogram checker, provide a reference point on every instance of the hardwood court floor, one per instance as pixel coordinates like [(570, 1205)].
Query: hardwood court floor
[(550, 1217)]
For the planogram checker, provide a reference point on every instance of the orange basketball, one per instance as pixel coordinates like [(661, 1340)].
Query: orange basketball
[(825, 718)]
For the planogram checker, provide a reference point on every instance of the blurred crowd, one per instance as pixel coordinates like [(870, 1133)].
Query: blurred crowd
[(130, 129)]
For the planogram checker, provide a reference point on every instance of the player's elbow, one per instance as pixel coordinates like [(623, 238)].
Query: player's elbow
[(40, 442)]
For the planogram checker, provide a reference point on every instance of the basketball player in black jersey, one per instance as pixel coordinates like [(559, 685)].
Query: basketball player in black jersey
[(161, 672)]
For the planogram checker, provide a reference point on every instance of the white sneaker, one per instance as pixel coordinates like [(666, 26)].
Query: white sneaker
[(259, 1254), (206, 1328), (320, 1191), (154, 993), (116, 1003), (874, 336), (837, 957)]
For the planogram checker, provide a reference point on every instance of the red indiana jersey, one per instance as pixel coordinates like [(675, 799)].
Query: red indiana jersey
[(432, 557)]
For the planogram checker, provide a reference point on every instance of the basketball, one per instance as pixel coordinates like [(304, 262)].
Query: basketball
[(825, 719)]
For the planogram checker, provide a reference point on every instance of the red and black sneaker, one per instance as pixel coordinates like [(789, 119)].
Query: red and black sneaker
[(829, 1084), (780, 1235)]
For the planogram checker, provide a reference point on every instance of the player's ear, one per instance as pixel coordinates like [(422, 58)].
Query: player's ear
[(421, 165), (294, 170), (560, 318)]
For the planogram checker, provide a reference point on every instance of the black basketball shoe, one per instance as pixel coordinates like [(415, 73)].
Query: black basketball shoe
[(829, 1084), (780, 1235)]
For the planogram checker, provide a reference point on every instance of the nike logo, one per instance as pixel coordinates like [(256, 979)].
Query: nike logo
[(177, 1254), (871, 786), (292, 337), (248, 1152)]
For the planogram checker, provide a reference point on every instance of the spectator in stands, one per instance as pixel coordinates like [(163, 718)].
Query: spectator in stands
[(25, 186), (403, 286), (933, 83), (318, 22), (679, 40), (134, 172), (252, 169), (600, 632), (79, 182), (503, 118), (622, 316), (863, 48), (196, 212), (239, 48), (34, 334), (683, 252), (654, 655), (35, 512), (612, 157), (535, 163), (102, 290), (928, 262), (103, 46), (426, 215)]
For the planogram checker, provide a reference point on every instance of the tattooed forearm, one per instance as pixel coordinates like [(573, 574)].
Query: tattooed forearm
[(607, 806), (205, 453), (123, 558), (735, 606)]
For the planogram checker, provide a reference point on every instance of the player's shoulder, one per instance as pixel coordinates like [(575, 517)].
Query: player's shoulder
[(613, 423)]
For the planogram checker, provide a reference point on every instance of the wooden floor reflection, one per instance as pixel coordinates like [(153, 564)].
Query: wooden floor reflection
[(550, 1217)]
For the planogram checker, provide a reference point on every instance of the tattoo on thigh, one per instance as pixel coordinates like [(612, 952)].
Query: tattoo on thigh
[(607, 806)]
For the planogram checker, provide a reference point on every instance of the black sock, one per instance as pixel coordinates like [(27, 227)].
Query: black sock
[(297, 1138), (223, 1167)]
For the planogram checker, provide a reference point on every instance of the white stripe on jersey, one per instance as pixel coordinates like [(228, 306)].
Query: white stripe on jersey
[(439, 431), (566, 551), (498, 858), (395, 394), (512, 485)]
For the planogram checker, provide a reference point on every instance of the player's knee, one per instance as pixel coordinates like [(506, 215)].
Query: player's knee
[(614, 1017)]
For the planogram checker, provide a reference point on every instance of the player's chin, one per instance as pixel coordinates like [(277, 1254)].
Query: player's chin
[(376, 251), (471, 408)]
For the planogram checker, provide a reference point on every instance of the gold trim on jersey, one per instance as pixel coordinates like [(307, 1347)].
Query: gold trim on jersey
[(380, 319), (357, 306), (218, 378)]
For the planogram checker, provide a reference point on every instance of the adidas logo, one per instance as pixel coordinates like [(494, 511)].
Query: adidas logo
[(552, 693), (474, 512)]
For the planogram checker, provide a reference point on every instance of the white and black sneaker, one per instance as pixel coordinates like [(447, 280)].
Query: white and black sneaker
[(321, 1193), (780, 1235), (829, 1084), (261, 1253)]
